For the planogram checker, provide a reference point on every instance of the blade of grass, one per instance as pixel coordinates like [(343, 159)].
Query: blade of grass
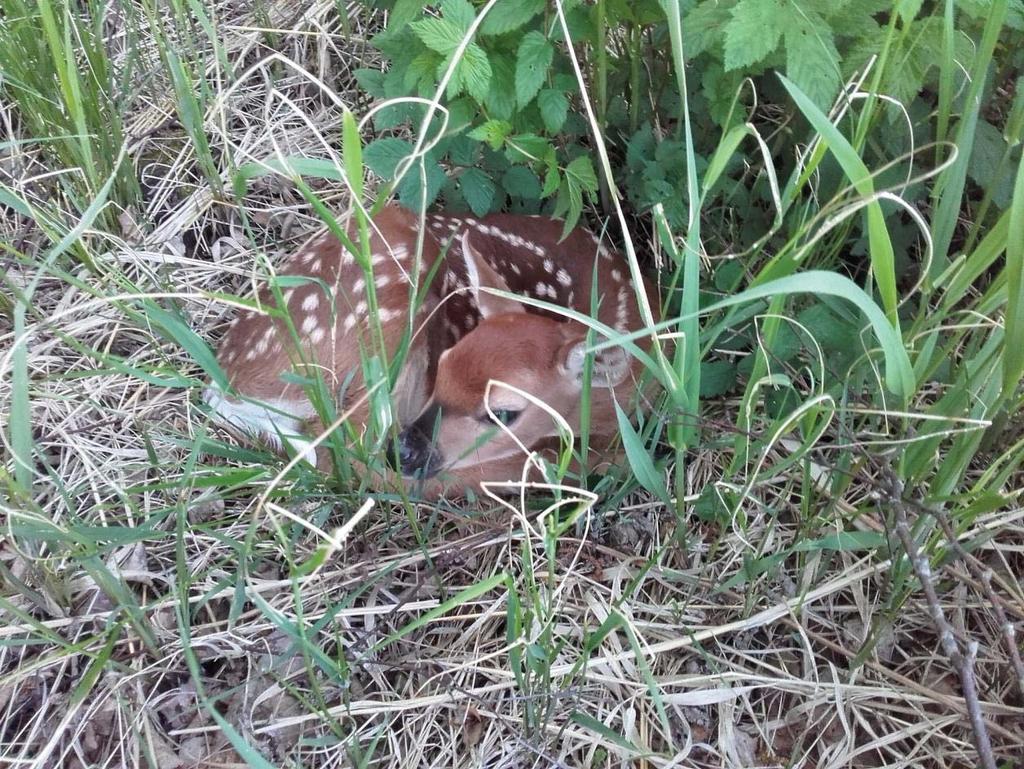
[(883, 258), (1013, 355), (947, 195)]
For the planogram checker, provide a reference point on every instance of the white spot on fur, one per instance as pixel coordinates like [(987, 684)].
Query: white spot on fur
[(616, 276), (310, 323), (350, 322), (564, 278), (311, 302), (317, 336), (549, 266), (622, 310)]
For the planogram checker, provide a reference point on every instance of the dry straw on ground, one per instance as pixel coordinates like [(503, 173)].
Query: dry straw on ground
[(809, 663)]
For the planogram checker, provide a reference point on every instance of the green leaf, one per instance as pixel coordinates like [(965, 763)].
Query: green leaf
[(403, 12), (439, 35), (986, 166), (459, 12), (528, 148), (717, 377), (754, 31), (552, 180), (421, 71), (521, 182), (510, 14), (640, 458), (420, 186), (474, 72), (478, 190), (812, 61), (382, 156), (702, 27), (493, 132), (533, 61), (501, 97), (371, 81), (908, 9), (581, 170), (554, 108)]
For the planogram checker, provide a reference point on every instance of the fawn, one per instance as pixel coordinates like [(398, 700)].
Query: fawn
[(470, 349)]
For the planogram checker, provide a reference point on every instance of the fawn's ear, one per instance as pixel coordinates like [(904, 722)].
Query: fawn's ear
[(610, 367), (482, 276)]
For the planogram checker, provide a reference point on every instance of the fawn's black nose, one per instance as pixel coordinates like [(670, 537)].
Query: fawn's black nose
[(415, 451)]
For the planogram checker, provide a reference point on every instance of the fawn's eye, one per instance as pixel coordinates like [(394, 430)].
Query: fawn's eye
[(505, 416)]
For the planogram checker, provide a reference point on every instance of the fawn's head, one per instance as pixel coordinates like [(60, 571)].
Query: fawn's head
[(485, 405)]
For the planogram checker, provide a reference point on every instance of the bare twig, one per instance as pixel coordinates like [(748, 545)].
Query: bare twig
[(963, 663), (984, 578)]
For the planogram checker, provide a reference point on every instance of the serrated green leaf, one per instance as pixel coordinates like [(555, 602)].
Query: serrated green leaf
[(403, 12), (474, 72), (371, 81), (552, 180), (753, 32), (493, 132), (554, 107), (478, 190), (521, 182), (908, 9), (581, 170), (421, 70), (703, 27), (421, 184), (569, 203), (717, 377), (986, 166), (812, 61), (509, 15), (459, 12), (533, 61), (439, 35), (528, 148), (501, 97), (382, 156)]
